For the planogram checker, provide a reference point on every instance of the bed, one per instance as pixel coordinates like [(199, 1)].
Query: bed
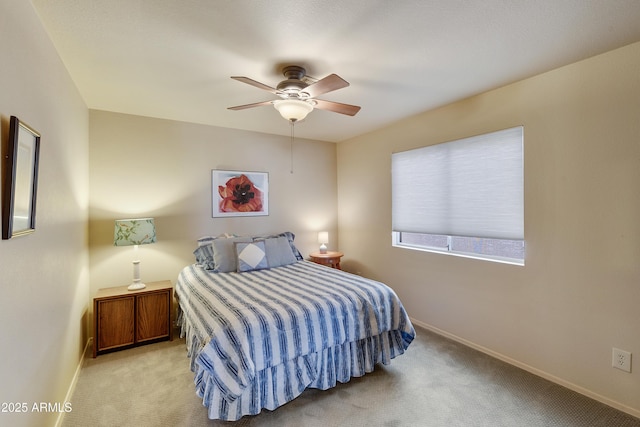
[(260, 331)]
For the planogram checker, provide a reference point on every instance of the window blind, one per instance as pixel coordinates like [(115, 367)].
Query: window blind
[(468, 187)]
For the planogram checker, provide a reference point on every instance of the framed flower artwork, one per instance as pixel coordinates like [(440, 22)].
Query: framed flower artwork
[(237, 193)]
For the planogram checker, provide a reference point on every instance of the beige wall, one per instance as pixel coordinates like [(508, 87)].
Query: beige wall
[(44, 279), (151, 167), (578, 294)]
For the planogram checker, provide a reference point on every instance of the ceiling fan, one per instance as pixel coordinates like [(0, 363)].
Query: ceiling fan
[(298, 92)]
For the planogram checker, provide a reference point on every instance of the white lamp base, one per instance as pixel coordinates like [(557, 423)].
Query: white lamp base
[(323, 249), (137, 284)]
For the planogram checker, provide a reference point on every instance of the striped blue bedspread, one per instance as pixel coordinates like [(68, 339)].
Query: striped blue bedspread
[(258, 339)]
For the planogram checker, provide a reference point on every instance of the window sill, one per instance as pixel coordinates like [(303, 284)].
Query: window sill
[(500, 260)]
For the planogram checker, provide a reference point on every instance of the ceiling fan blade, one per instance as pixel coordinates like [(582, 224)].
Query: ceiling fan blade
[(243, 107), (330, 83), (252, 82), (336, 107)]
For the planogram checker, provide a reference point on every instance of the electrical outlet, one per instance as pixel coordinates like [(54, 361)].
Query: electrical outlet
[(621, 359)]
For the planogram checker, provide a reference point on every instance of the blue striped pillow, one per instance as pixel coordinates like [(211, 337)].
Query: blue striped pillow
[(204, 257)]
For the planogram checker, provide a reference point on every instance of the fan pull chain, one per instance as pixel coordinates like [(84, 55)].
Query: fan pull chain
[(291, 150)]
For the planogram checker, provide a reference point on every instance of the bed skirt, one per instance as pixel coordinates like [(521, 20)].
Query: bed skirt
[(274, 386)]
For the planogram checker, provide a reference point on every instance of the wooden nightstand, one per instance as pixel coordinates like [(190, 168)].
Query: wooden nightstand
[(330, 259), (124, 318)]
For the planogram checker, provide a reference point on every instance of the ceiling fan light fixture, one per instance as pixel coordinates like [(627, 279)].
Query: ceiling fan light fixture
[(293, 109)]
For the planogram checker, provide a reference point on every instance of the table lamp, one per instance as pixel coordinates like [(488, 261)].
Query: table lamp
[(140, 231), (323, 239)]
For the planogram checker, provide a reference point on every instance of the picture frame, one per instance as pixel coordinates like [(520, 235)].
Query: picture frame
[(20, 180), (239, 193)]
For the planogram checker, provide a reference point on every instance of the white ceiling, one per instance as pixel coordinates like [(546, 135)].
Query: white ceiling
[(173, 58)]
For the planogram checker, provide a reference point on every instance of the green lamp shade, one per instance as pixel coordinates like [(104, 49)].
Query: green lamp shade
[(139, 231)]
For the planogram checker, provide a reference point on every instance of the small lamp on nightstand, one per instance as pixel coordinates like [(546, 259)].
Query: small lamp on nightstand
[(135, 232), (323, 239)]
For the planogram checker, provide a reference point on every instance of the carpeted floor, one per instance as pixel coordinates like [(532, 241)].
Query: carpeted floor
[(436, 383)]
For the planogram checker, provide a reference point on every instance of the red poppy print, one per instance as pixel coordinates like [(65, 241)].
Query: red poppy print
[(239, 194)]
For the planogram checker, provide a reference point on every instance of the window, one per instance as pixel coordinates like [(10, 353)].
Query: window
[(464, 197)]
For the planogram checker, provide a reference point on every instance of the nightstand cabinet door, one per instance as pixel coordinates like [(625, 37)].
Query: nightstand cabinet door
[(115, 322), (153, 313)]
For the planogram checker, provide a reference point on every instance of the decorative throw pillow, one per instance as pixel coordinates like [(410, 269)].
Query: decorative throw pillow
[(279, 252), (251, 256), (290, 237), (224, 254)]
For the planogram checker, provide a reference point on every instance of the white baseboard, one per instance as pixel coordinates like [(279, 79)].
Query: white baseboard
[(74, 380), (531, 369)]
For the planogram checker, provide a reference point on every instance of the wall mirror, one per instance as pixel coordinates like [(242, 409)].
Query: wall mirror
[(20, 180)]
